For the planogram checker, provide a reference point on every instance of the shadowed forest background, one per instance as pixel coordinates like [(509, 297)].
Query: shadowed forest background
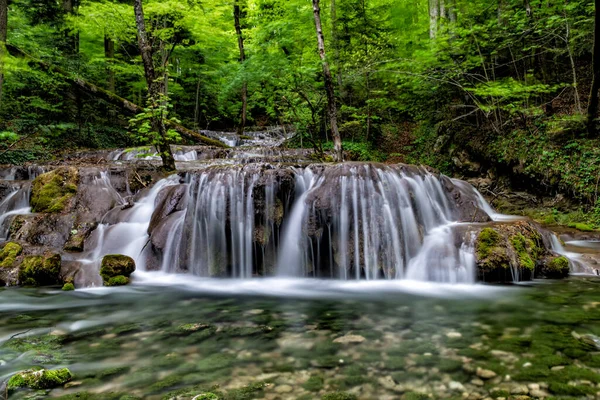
[(486, 89)]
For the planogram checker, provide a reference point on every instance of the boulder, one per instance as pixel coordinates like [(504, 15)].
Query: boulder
[(116, 269), (170, 200), (40, 270), (9, 254)]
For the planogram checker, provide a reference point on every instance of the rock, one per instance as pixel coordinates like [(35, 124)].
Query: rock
[(206, 396), (527, 365), (533, 386), (537, 393), (557, 368), (349, 339), (485, 373), (67, 287), (453, 335), (555, 268), (283, 389), (9, 254), (519, 389), (116, 269), (40, 270), (456, 386), (170, 200), (38, 379), (52, 192), (477, 382)]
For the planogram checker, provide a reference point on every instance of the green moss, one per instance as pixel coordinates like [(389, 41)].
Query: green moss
[(207, 396), (558, 267), (500, 393), (115, 267), (251, 391), (314, 383), (415, 396), (52, 191), (339, 396), (581, 227), (39, 379), (523, 246), (564, 389), (40, 270), (9, 254), (68, 287), (119, 280), (490, 254)]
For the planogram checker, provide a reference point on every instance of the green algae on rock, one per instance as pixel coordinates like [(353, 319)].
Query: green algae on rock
[(67, 287), (52, 191), (557, 267), (38, 379), (116, 269), (40, 270), (9, 254)]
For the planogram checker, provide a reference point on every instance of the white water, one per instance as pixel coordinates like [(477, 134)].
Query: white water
[(16, 203)]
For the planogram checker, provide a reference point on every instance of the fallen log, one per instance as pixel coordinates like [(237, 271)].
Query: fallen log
[(109, 97)]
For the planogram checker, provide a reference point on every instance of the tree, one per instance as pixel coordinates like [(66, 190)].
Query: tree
[(3, 35), (329, 89), (592, 111), (156, 112), (240, 38)]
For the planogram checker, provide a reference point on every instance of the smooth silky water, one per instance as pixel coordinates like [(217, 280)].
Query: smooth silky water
[(173, 336)]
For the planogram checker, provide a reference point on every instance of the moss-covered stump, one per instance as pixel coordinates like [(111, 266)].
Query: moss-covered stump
[(40, 270), (116, 269), (509, 252), (52, 192), (9, 254), (39, 379), (554, 268)]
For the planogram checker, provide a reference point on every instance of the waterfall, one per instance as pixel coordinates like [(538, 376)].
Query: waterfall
[(350, 221), (16, 203)]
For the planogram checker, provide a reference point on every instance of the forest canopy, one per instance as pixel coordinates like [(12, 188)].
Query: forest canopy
[(409, 76)]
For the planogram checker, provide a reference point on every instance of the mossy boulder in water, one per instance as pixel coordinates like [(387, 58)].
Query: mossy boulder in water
[(116, 269), (39, 379), (556, 268), (509, 252), (9, 254), (51, 192), (40, 270)]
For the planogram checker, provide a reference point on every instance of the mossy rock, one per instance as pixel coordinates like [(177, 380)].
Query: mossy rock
[(556, 268), (116, 269), (9, 254), (51, 192), (40, 270), (39, 379), (339, 396), (491, 251), (68, 287)]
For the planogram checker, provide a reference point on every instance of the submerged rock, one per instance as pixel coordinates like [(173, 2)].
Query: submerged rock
[(38, 379), (116, 269), (556, 268)]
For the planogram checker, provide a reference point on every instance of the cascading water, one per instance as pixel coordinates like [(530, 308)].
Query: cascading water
[(352, 221), (16, 203)]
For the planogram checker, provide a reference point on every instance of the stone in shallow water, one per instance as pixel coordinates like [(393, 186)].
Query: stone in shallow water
[(348, 339), (39, 379), (485, 373), (453, 335)]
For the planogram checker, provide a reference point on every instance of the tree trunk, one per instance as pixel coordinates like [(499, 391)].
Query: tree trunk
[(109, 55), (240, 38), (72, 39), (592, 111), (332, 108), (336, 48), (155, 87), (434, 16), (3, 35)]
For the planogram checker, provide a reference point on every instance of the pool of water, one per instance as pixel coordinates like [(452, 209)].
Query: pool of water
[(169, 337)]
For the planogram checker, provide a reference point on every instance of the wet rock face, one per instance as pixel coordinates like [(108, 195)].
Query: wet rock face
[(170, 200), (53, 191)]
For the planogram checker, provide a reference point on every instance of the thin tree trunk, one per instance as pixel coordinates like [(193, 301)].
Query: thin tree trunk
[(336, 47), (71, 38), (592, 111), (573, 69), (434, 16), (155, 87), (109, 55), (240, 37), (332, 108), (3, 35)]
